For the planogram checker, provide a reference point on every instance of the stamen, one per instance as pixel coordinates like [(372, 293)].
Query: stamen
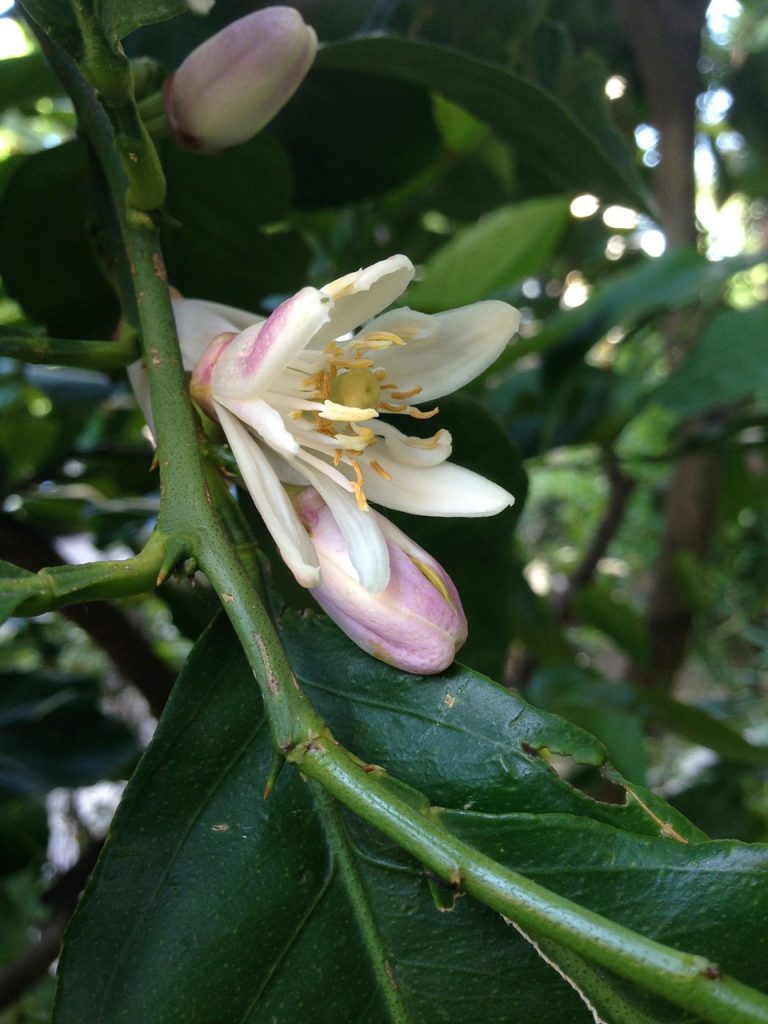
[(337, 455), (407, 394), (352, 364), (362, 504), (379, 469), (357, 485), (374, 339), (388, 407), (419, 415)]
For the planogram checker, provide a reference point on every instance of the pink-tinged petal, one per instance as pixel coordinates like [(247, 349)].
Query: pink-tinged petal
[(416, 624), (201, 382), (360, 295), (197, 324), (271, 500), (234, 83), (444, 351), (259, 354)]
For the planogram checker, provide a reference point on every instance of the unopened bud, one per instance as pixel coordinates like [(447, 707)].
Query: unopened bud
[(416, 623), (233, 84)]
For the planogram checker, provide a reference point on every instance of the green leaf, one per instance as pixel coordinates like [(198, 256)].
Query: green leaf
[(728, 363), (10, 602), (385, 135), (503, 246), (543, 134), (119, 18), (604, 708), (53, 734), (678, 278), (614, 1000), (211, 251), (57, 21), (25, 79), (699, 726), (210, 903), (46, 261)]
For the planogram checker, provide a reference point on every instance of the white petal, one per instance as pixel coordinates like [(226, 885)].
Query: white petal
[(198, 322), (259, 354), (445, 490), (272, 502), (413, 451), (361, 531), (444, 351), (359, 296), (266, 421)]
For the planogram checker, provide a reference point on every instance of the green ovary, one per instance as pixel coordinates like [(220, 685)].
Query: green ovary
[(358, 389)]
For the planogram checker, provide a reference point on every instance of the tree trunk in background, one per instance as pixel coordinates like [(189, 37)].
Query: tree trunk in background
[(665, 36)]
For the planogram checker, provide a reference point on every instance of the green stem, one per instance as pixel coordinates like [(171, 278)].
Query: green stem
[(108, 70), (95, 355), (62, 585)]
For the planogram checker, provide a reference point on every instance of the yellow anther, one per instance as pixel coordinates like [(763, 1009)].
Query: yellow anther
[(407, 394), (419, 415), (389, 407), (352, 364), (362, 504), (337, 456), (374, 339), (379, 469)]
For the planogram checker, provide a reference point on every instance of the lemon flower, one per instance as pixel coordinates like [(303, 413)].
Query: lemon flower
[(300, 395)]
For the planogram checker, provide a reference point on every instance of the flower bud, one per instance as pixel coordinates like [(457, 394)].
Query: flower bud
[(416, 623), (234, 83)]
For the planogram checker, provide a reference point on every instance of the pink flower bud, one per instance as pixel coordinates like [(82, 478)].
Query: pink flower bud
[(234, 83), (416, 623)]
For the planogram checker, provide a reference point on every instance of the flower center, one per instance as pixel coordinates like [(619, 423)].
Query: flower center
[(352, 390)]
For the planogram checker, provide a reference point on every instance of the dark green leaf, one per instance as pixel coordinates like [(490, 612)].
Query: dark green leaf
[(52, 734), (46, 261), (352, 135), (602, 707), (57, 21), (119, 18), (213, 244), (508, 244), (212, 904), (542, 132)]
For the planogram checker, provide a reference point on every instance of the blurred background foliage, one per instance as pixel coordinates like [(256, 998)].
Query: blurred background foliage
[(512, 150)]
